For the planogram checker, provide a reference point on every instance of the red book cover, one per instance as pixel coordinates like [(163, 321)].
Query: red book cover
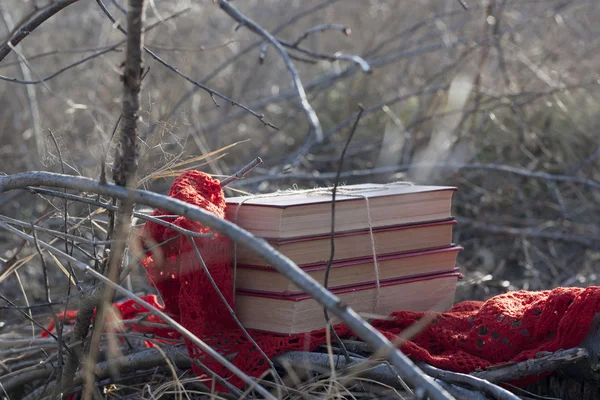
[(314, 250), (364, 231), (360, 260), (454, 272)]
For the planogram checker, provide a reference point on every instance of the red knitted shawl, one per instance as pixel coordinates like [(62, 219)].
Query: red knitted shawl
[(471, 336)]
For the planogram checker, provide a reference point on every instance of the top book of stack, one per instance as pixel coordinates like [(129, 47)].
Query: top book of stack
[(306, 214)]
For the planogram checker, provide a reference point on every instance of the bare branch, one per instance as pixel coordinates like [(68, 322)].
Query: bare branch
[(535, 366), (210, 91), (361, 62), (587, 241), (64, 69), (321, 28), (447, 166), (98, 53), (242, 172), (254, 27), (463, 379), (29, 27), (281, 263)]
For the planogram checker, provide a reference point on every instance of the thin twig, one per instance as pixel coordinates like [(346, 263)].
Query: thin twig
[(44, 264), (321, 28), (361, 62), (231, 311), (113, 208), (254, 27), (53, 232), (30, 26), (448, 166), (332, 233), (242, 172), (61, 70), (210, 91), (22, 310)]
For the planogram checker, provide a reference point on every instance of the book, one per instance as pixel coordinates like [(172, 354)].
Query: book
[(301, 313), (351, 272), (355, 244), (297, 215)]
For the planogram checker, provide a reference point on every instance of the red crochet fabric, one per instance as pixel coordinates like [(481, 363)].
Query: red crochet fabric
[(471, 336)]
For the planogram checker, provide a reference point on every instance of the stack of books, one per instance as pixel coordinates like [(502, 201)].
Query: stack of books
[(407, 229)]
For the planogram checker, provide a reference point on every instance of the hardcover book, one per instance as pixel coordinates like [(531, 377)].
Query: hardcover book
[(355, 244), (301, 313), (351, 272), (294, 215)]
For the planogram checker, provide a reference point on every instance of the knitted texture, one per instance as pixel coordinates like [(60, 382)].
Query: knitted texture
[(469, 337)]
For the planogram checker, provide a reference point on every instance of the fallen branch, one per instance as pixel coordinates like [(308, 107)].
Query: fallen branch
[(536, 366), (282, 264), (385, 374), (143, 360), (464, 379)]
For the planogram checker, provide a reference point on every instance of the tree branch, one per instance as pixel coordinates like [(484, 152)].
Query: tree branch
[(124, 174), (29, 27), (210, 91), (536, 366), (254, 27)]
